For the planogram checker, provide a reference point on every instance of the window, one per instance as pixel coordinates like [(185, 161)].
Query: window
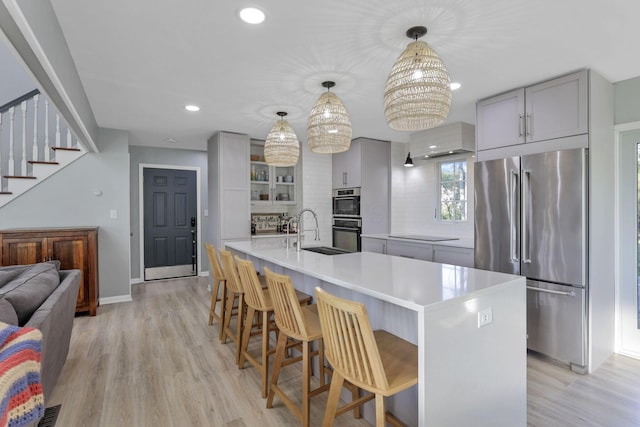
[(452, 198)]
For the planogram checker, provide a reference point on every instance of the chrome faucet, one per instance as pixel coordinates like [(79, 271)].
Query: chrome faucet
[(299, 221)]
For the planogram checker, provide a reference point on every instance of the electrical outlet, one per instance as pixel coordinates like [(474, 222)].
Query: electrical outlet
[(485, 317), (113, 214)]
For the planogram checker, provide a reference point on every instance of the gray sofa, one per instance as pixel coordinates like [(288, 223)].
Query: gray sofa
[(43, 297)]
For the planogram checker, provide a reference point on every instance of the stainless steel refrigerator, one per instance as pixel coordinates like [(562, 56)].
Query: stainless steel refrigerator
[(531, 219)]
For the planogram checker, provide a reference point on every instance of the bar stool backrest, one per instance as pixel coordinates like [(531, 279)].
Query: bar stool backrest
[(350, 345), (231, 272), (253, 293), (218, 274), (288, 313)]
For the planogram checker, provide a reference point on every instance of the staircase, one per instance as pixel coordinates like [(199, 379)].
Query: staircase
[(34, 144)]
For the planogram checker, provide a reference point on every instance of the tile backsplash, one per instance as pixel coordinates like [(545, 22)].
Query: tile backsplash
[(414, 196)]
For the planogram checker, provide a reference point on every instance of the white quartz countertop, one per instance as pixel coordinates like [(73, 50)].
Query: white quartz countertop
[(462, 242), (411, 283)]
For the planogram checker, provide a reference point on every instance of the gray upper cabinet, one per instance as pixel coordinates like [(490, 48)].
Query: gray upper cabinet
[(367, 165), (347, 167), (499, 121), (553, 109), (228, 181)]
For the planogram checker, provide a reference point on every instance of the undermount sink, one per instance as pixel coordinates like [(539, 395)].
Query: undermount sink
[(326, 250)]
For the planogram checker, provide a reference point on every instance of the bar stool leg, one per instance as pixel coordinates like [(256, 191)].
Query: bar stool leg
[(277, 364), (337, 382), (265, 354), (245, 338), (214, 300), (380, 418), (306, 382), (223, 311)]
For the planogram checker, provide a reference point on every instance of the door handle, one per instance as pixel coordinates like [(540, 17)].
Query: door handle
[(520, 125), (550, 291), (528, 125), (526, 199), (513, 252)]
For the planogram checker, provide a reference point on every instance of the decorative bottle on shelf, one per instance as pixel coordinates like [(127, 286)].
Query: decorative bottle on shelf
[(253, 173)]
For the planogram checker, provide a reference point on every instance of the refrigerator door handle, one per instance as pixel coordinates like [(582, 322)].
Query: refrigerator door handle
[(512, 216), (526, 198), (550, 291)]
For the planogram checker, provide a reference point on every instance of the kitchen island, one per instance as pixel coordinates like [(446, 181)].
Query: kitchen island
[(469, 326)]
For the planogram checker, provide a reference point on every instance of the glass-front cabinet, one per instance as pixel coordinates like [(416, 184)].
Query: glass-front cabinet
[(270, 184)]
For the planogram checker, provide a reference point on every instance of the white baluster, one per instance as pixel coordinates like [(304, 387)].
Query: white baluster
[(34, 155), (47, 154), (69, 138), (58, 131), (23, 161), (12, 168)]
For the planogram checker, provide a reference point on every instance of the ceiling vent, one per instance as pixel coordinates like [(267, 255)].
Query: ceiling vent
[(459, 137)]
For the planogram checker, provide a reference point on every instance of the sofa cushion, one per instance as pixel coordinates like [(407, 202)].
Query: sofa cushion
[(8, 314), (31, 287), (10, 272)]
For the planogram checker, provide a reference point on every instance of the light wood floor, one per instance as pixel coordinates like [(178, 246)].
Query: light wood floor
[(155, 362)]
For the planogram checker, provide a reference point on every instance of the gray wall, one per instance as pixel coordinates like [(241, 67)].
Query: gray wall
[(67, 199), (627, 101), (17, 79), (171, 157)]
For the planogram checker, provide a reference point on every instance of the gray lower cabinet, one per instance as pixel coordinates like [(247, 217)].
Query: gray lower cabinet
[(423, 251), (453, 255), (370, 244)]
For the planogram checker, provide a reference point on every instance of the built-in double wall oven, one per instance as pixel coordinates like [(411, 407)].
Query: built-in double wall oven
[(346, 234), (346, 202), (347, 223)]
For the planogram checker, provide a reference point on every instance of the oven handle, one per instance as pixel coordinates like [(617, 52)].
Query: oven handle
[(347, 228)]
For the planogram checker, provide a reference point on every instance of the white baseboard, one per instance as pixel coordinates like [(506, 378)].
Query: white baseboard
[(135, 280), (115, 300), (204, 274)]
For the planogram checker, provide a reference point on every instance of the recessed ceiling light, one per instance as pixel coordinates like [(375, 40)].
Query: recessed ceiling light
[(192, 108), (433, 146), (455, 85), (252, 15)]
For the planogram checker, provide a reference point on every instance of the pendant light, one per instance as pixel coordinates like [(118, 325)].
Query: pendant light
[(281, 147), (329, 126), (409, 162), (417, 95)]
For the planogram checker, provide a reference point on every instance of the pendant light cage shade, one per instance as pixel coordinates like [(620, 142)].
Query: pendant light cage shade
[(329, 126), (281, 147), (417, 95)]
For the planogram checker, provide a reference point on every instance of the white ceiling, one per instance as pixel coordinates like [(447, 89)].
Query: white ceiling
[(141, 61)]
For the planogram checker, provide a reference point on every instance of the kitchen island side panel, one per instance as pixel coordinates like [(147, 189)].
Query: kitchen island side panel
[(479, 374)]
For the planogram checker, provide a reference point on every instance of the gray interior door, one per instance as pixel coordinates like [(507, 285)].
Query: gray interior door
[(170, 212)]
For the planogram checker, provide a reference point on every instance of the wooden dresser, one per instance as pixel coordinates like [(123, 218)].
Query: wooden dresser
[(75, 248)]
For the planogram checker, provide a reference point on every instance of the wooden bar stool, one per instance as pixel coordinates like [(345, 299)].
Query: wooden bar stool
[(258, 300), (376, 361), (219, 287), (235, 291), (300, 323)]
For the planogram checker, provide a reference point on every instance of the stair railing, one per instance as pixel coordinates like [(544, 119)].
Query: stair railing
[(30, 121)]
